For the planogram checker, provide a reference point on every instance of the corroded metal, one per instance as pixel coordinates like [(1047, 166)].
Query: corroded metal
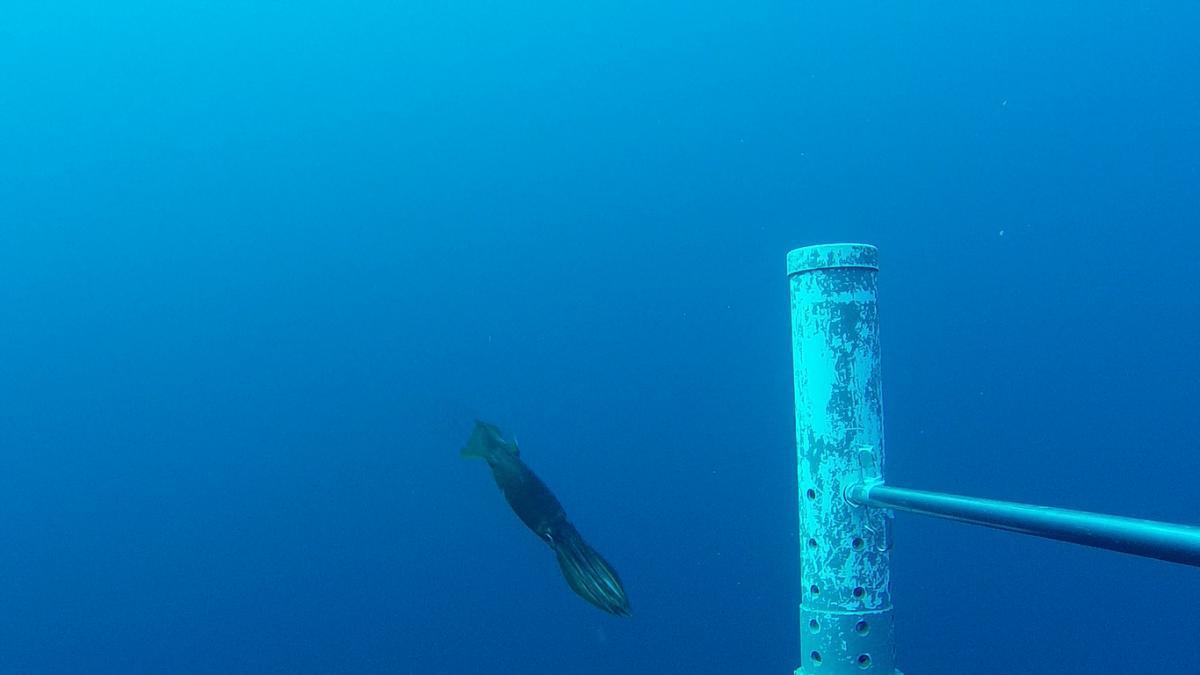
[(846, 623)]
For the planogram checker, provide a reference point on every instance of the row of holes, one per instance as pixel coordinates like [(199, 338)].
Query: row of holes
[(863, 660), (862, 627), (855, 543), (858, 591)]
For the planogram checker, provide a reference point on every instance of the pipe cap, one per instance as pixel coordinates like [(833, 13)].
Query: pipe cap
[(832, 256)]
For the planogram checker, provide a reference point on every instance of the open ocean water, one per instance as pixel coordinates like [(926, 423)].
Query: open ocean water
[(262, 265)]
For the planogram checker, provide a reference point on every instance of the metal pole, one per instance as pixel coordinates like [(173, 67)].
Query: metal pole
[(846, 623), (1147, 538)]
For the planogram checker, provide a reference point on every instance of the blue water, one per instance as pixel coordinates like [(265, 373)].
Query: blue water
[(262, 265)]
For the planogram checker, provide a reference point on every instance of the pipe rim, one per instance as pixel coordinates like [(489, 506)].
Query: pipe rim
[(832, 256)]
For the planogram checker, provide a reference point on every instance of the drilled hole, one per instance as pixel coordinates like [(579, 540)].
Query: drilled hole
[(812, 494), (864, 661), (862, 628), (812, 544), (859, 591), (814, 625), (815, 656), (814, 590), (857, 543)]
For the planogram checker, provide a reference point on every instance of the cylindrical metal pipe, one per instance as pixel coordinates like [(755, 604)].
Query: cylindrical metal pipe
[(1147, 538), (846, 622)]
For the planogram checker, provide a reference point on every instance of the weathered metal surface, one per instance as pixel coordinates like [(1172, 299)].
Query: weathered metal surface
[(846, 621)]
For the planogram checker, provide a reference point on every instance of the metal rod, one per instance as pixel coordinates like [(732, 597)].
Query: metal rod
[(1146, 538)]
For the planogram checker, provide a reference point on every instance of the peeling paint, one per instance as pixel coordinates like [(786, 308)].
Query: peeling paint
[(846, 610)]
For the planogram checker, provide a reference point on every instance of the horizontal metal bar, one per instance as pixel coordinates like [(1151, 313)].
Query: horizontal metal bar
[(1146, 538)]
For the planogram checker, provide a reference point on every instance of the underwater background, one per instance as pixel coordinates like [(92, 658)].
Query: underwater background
[(263, 264)]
